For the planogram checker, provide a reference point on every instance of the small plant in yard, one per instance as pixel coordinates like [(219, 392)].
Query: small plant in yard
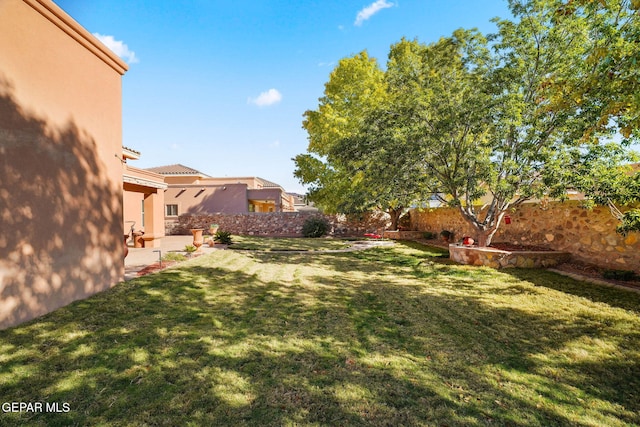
[(223, 237), (315, 227), (624, 275), (174, 256), (190, 249), (428, 235), (447, 235)]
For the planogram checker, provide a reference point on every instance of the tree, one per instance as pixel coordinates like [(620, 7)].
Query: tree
[(608, 94), (350, 164), (488, 124)]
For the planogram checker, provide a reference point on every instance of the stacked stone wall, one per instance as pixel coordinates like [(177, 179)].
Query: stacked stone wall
[(282, 224), (588, 235)]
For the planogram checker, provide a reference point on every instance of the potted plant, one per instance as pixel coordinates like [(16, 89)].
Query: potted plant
[(213, 229)]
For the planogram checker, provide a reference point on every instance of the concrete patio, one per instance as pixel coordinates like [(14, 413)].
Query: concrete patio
[(139, 258)]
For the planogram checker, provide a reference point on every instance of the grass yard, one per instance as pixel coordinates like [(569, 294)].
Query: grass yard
[(287, 244), (383, 337)]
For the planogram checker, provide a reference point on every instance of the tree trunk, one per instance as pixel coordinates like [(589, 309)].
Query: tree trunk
[(395, 217), (484, 232)]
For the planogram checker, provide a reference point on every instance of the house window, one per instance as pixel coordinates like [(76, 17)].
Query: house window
[(142, 212), (252, 207), (172, 210)]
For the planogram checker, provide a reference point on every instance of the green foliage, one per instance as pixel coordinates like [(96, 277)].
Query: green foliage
[(486, 123), (315, 227), (447, 235), (174, 256), (190, 248), (624, 275), (352, 164), (223, 237), (428, 235), (630, 222)]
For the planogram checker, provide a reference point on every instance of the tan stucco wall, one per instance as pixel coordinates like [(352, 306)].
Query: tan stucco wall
[(589, 235), (60, 174), (132, 209), (230, 198), (148, 188)]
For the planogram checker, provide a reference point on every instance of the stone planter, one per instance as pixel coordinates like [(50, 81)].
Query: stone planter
[(197, 237), (497, 258)]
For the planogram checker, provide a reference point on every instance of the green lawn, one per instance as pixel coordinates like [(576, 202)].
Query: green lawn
[(383, 337), (288, 244)]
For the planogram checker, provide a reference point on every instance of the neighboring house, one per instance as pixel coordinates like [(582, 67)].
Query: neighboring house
[(143, 200), (61, 224), (191, 191), (302, 204)]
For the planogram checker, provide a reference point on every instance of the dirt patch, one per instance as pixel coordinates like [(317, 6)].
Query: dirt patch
[(152, 268), (517, 248), (593, 272)]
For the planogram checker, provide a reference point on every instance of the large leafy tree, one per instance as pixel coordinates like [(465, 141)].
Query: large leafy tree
[(352, 164), (487, 124), (607, 92)]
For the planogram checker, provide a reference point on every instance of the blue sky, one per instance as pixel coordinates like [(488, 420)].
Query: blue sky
[(221, 86)]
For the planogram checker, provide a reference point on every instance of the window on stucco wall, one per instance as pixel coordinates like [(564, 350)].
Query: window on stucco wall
[(172, 210)]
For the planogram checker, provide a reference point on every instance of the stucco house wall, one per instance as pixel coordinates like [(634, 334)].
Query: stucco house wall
[(231, 198), (60, 170), (143, 202)]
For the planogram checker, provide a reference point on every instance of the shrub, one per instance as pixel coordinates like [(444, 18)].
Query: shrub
[(405, 221), (428, 235), (315, 227), (190, 248), (223, 237), (625, 275), (447, 235), (174, 256)]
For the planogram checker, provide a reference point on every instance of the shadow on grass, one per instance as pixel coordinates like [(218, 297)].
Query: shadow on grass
[(381, 337)]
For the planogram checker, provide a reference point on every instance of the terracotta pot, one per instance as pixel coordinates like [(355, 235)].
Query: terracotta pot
[(197, 237), (126, 247)]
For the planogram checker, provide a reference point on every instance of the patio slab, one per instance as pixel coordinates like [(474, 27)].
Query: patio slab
[(139, 258)]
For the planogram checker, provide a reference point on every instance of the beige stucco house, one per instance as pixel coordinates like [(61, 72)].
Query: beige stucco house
[(191, 191), (61, 168), (143, 201)]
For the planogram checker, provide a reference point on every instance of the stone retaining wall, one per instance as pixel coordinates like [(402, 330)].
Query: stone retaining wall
[(403, 235), (283, 224), (588, 235), (497, 258)]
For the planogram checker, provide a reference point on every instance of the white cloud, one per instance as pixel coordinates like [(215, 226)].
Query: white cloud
[(371, 10), (118, 47), (270, 97)]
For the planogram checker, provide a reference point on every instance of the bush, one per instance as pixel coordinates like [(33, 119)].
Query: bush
[(173, 256), (315, 227), (447, 235), (625, 275), (223, 237), (190, 248)]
